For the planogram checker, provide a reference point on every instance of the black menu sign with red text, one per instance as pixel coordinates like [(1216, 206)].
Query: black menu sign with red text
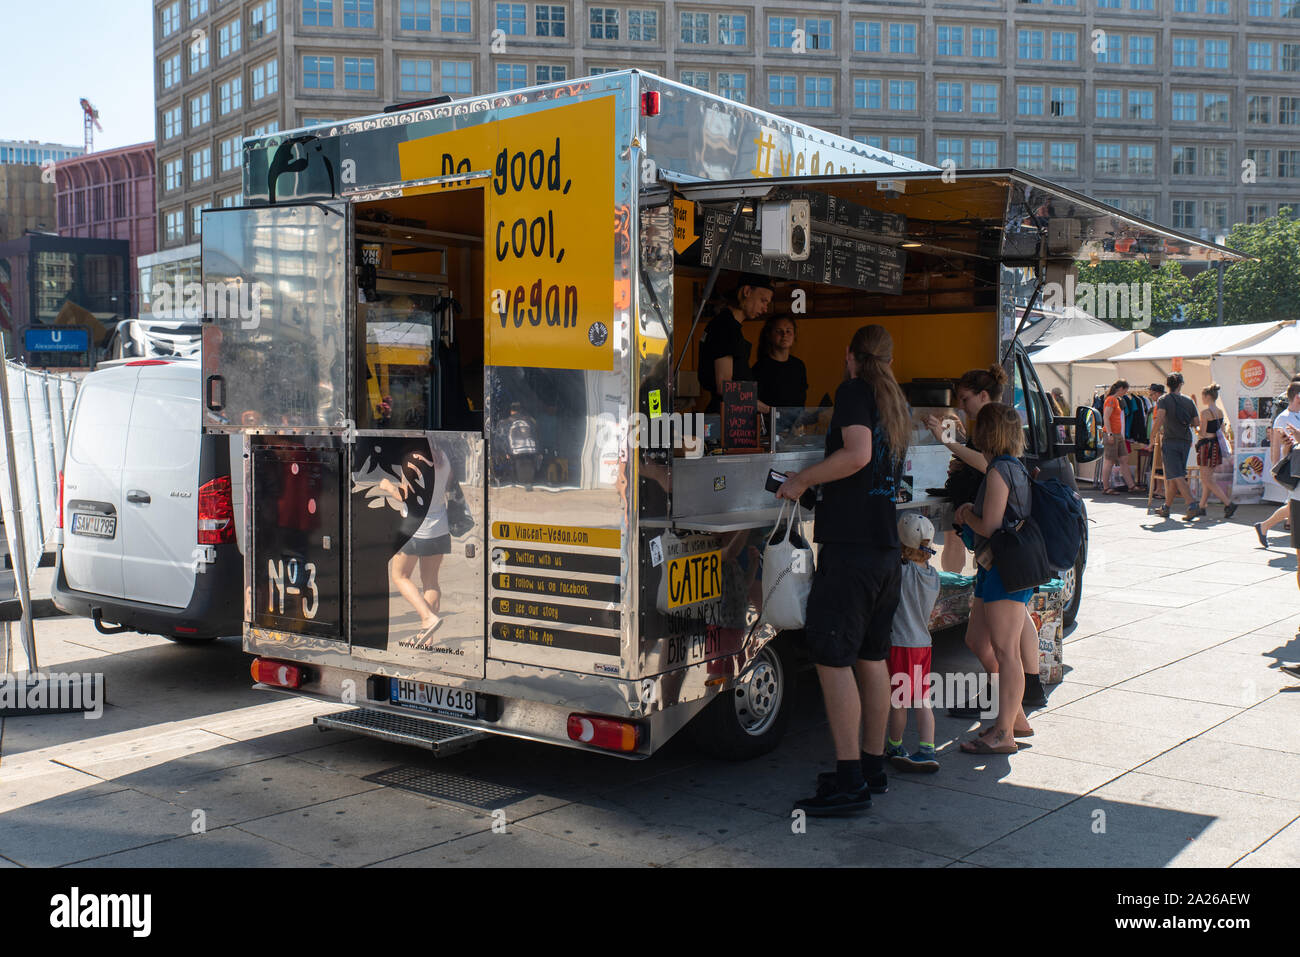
[(740, 415)]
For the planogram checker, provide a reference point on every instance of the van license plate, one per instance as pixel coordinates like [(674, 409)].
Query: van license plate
[(427, 697), (94, 526)]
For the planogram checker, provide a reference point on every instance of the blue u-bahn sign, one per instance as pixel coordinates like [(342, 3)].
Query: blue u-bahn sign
[(58, 339)]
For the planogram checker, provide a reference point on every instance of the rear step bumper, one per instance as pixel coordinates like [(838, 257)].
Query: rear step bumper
[(441, 739)]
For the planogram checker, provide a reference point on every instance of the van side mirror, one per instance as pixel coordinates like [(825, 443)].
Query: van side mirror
[(1087, 434)]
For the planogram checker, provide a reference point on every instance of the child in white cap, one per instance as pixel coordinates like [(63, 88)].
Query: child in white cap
[(909, 654)]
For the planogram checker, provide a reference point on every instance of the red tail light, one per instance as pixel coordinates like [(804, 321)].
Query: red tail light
[(60, 499), (606, 733), (277, 673), (216, 512)]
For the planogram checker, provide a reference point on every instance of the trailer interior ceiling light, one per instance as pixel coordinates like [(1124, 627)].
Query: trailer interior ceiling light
[(279, 674), (783, 228), (607, 733)]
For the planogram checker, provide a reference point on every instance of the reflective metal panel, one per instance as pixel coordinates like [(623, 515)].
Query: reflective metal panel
[(274, 333)]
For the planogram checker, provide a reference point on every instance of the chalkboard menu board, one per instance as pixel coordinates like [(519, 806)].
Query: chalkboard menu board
[(834, 260), (740, 415)]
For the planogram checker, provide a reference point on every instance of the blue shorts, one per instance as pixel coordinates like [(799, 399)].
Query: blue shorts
[(988, 587)]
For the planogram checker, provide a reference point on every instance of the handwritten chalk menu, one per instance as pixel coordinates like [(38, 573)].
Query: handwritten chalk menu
[(834, 260), (740, 415)]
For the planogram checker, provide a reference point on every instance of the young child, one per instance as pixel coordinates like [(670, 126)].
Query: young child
[(909, 655)]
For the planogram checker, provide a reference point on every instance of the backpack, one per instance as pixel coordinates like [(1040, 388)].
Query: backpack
[(1058, 510)]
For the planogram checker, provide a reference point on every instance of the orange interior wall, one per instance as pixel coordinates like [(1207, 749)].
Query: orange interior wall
[(943, 345)]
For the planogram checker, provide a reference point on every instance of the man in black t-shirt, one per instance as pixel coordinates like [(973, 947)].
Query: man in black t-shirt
[(724, 350)]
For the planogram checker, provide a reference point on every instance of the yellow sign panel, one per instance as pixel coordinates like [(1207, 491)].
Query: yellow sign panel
[(557, 534), (694, 578), (684, 234), (549, 234)]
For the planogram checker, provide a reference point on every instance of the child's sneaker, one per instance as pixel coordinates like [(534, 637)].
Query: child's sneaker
[(894, 750), (923, 759)]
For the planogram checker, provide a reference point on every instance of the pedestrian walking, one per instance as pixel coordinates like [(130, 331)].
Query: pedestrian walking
[(1279, 441), (1211, 449), (1115, 446), (1176, 416), (855, 590), (910, 648)]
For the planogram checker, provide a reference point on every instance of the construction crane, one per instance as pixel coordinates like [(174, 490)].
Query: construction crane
[(92, 123)]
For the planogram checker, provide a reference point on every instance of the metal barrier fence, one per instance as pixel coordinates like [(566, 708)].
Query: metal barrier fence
[(41, 405)]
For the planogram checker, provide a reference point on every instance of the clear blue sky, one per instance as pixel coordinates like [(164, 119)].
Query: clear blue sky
[(57, 51)]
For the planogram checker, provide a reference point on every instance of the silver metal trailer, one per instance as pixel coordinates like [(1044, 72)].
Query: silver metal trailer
[(451, 334)]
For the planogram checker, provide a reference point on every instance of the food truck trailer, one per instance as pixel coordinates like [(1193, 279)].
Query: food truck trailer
[(459, 341)]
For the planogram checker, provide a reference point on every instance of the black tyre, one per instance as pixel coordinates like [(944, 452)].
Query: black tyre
[(750, 719), (1073, 580)]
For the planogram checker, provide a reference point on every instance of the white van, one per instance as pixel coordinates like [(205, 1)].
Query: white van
[(147, 532)]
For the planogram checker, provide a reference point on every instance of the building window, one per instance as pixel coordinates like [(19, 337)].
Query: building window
[(318, 13), (549, 20), (1185, 52), (950, 97), (1259, 55), (359, 73), (200, 56), (265, 129), (170, 18), (551, 73), (984, 42), (200, 164), (200, 110), (415, 76), (512, 19), (1259, 110), (174, 225), (1141, 4), (228, 38), (1141, 50), (1141, 105), (603, 23), (1108, 104), (1263, 160), (903, 146), (1289, 60), (817, 92), (1065, 46), (454, 16), (198, 8), (642, 26), (1065, 101), (172, 175), (1141, 159), (1184, 161), (359, 13), (1185, 6), (1288, 164), (1260, 8), (196, 218), (231, 200), (318, 72), (695, 27), (1107, 158), (1184, 213), (1256, 213), (1029, 155), (172, 123), (1288, 110), (457, 76), (902, 96), (866, 36), (1064, 157), (1184, 107), (1030, 44), (230, 150), (731, 30), (415, 15), (231, 95), (734, 86), (950, 150), (817, 34), (1029, 101), (1111, 48), (1217, 8), (984, 98), (782, 89), (1216, 54), (263, 20), (696, 78), (1214, 161), (902, 39), (984, 154), (511, 76), (1214, 108), (780, 32), (1214, 214), (866, 94), (266, 79), (950, 42)]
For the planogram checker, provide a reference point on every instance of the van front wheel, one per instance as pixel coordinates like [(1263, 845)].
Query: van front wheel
[(750, 719)]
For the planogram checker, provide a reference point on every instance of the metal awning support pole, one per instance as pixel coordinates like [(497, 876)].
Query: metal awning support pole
[(14, 529), (708, 286)]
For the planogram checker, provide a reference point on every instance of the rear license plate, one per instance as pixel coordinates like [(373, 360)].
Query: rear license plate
[(94, 526), (427, 697)]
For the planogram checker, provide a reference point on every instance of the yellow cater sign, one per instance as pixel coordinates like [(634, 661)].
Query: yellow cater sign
[(549, 234)]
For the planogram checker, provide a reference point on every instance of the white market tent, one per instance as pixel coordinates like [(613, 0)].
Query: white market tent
[(1195, 347)]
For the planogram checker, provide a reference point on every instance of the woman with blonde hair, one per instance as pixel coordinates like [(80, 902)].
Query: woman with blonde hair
[(1211, 447), (855, 589)]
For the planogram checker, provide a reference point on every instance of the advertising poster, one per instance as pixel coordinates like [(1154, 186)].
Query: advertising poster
[(1250, 389)]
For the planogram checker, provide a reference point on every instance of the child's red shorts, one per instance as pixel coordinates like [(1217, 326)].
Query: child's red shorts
[(909, 671)]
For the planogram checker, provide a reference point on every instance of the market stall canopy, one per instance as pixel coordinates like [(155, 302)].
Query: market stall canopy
[(1284, 342), (1198, 343), (1003, 215), (1102, 346), (1048, 328)]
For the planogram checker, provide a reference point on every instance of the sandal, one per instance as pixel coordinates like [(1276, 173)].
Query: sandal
[(422, 639), (980, 746), (1018, 734)]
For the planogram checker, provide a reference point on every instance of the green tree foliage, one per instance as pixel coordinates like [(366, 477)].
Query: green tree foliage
[(1169, 287), (1264, 288)]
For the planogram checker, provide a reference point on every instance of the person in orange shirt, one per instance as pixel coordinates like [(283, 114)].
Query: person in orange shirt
[(1115, 448)]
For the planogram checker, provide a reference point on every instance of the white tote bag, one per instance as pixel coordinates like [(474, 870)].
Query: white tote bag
[(787, 574)]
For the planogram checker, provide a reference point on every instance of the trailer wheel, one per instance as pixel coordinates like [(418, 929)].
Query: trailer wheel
[(1073, 582), (750, 719)]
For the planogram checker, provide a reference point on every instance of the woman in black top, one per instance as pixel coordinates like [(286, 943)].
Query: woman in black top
[(724, 351), (782, 378)]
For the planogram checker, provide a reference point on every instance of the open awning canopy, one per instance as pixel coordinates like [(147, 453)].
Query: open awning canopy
[(1102, 347), (1005, 215), (1199, 343), (1284, 342)]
